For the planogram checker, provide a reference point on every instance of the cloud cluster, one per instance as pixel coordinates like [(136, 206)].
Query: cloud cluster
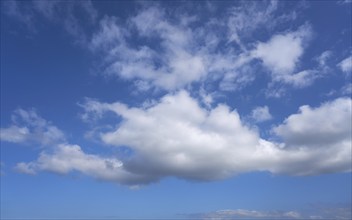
[(185, 54), (155, 48), (28, 127), (177, 137)]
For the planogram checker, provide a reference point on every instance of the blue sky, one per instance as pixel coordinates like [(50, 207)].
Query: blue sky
[(205, 110)]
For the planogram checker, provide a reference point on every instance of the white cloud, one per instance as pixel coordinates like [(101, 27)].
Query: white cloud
[(281, 55), (177, 137), (250, 214), (347, 89), (172, 66), (260, 114), (323, 58), (328, 124), (64, 13), (184, 55), (207, 99), (155, 48), (69, 158), (317, 133), (13, 9), (29, 127), (316, 211), (300, 79), (346, 65), (245, 19)]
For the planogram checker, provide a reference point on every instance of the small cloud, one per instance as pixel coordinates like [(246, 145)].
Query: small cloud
[(283, 51), (261, 114), (323, 58), (347, 89), (346, 65), (26, 168), (29, 127)]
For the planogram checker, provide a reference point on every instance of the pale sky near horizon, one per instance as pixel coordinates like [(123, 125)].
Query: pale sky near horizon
[(176, 109)]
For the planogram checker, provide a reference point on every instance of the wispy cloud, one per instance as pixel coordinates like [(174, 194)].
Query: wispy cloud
[(66, 158), (63, 13), (346, 65), (28, 127), (318, 211)]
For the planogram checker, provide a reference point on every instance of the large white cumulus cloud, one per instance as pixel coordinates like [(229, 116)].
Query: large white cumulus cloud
[(177, 137), (320, 127)]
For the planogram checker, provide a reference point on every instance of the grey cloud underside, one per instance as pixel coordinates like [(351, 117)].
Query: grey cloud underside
[(177, 137)]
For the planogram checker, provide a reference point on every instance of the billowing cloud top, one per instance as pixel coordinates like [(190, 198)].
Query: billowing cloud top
[(177, 137)]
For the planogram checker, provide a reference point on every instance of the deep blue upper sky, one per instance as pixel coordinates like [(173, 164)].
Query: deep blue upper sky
[(176, 109)]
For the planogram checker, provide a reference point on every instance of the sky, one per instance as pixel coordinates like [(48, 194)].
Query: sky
[(176, 109)]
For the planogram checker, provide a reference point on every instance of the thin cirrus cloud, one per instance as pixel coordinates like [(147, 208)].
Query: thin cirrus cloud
[(205, 144), (30, 12)]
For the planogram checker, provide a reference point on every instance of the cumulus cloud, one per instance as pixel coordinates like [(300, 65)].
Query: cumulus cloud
[(28, 127), (175, 136), (282, 53), (346, 65), (175, 64), (186, 55), (155, 48), (323, 132), (328, 124), (68, 158), (260, 114)]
